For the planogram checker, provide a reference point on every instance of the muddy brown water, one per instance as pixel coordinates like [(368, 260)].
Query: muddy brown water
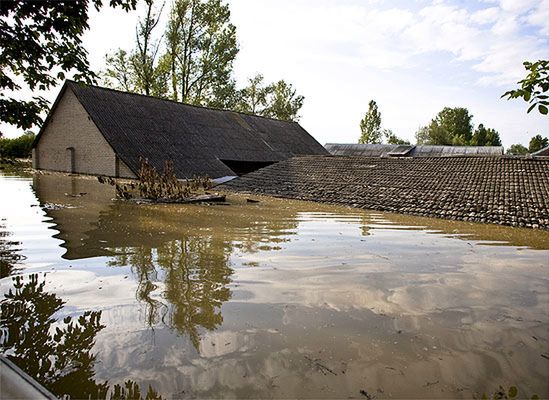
[(276, 299)]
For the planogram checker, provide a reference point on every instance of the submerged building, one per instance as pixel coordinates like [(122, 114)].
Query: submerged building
[(501, 190), (100, 131), (407, 150)]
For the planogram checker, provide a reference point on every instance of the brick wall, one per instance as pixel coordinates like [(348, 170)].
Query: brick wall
[(71, 134)]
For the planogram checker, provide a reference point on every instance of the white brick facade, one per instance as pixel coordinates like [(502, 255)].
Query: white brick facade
[(72, 143)]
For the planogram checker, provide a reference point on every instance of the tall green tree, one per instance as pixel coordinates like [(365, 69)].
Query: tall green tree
[(537, 142), (485, 137), (370, 125), (145, 55), (142, 70), (41, 41), (533, 89), (202, 46)]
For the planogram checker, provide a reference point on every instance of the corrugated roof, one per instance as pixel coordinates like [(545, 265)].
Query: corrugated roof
[(194, 138), (388, 150)]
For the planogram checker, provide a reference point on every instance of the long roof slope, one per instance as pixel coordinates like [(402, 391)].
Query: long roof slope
[(194, 138)]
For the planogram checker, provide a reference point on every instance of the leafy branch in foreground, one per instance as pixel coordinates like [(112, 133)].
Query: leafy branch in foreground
[(40, 41), (533, 87)]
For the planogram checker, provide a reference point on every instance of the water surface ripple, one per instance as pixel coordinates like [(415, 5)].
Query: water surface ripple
[(278, 299)]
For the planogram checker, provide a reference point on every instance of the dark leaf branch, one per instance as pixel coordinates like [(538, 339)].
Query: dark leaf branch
[(533, 88), (37, 38)]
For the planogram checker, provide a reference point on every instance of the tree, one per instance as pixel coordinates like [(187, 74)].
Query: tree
[(534, 86), (253, 98), (284, 102), (451, 126), (201, 45), (40, 42), (142, 70), (277, 100), (119, 70), (537, 143), (370, 125), (20, 147), (144, 58), (434, 134), (485, 137), (197, 64), (517, 149), (393, 139)]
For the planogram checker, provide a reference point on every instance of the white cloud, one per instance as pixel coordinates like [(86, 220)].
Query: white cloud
[(486, 16), (413, 58), (540, 17)]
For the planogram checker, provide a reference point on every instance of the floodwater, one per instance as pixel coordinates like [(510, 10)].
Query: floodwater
[(276, 299)]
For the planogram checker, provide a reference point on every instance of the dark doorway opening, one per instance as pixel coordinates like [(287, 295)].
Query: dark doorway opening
[(245, 167)]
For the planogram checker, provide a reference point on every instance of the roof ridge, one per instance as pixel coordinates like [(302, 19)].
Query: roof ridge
[(177, 102)]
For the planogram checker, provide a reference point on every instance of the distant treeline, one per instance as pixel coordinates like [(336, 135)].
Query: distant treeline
[(20, 147)]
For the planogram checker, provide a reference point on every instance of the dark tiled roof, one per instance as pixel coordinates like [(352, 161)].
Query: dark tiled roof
[(194, 138), (501, 190), (387, 150)]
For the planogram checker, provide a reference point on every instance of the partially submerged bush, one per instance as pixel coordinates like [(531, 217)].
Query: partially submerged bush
[(154, 185)]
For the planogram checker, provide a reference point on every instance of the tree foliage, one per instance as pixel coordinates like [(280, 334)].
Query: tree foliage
[(284, 102), (371, 131), (275, 100), (370, 125), (485, 137), (195, 64), (517, 149), (451, 126), (201, 46), (454, 127), (20, 147), (537, 143), (394, 139), (534, 87), (254, 98), (41, 41)]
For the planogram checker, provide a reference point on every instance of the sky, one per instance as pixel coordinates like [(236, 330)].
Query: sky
[(413, 57)]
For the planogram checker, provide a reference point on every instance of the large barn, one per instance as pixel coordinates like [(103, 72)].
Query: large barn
[(100, 131)]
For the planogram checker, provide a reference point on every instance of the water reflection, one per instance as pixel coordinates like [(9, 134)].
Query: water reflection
[(9, 255), (56, 353), (287, 299), (195, 273), (187, 256)]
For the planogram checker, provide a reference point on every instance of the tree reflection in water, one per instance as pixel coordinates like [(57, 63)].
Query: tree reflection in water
[(58, 354), (9, 256), (196, 274)]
